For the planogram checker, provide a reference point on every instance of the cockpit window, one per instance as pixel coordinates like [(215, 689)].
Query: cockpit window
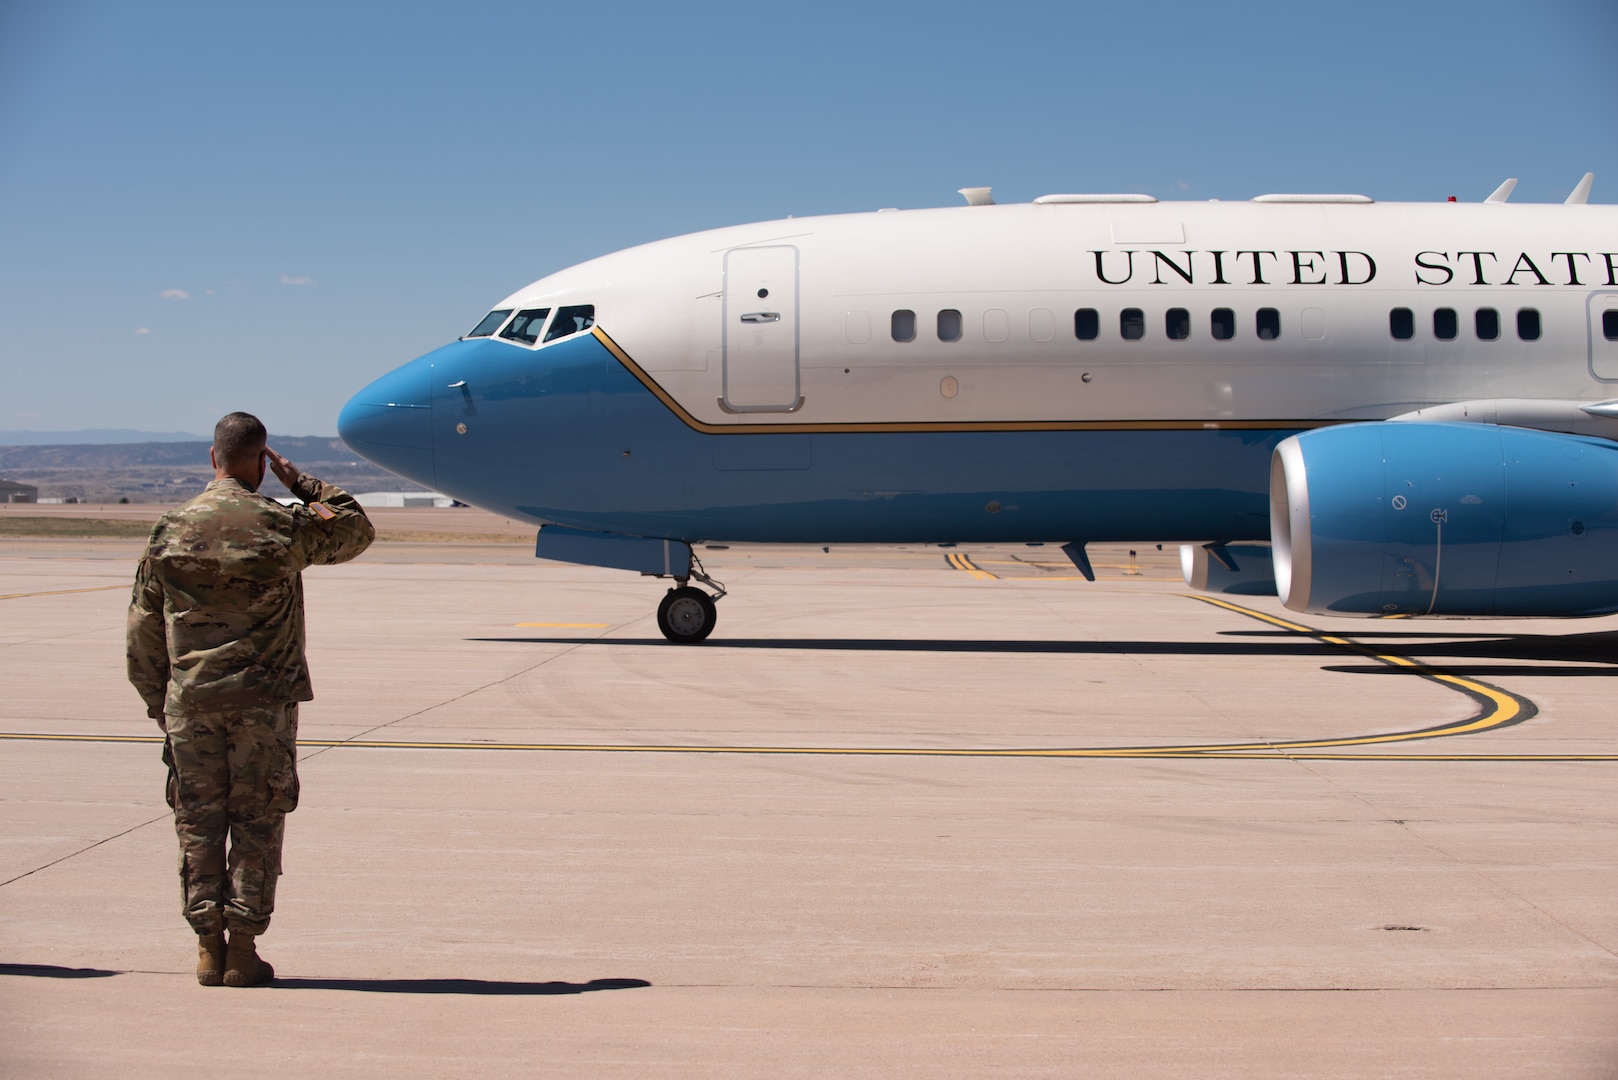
[(571, 320), (491, 322), (526, 326)]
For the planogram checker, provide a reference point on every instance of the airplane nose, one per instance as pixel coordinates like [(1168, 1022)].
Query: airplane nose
[(390, 423)]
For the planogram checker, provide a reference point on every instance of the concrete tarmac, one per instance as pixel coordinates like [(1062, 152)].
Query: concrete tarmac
[(903, 815)]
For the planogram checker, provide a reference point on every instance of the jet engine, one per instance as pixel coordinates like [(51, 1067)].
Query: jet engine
[(1232, 569), (1411, 518)]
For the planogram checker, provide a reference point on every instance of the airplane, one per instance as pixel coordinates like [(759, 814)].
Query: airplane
[(1415, 405)]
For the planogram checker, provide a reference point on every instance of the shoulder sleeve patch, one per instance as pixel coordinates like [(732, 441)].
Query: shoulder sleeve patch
[(322, 511)]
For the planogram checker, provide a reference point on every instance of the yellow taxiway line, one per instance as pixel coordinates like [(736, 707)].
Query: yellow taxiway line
[(1279, 753), (62, 592), (1499, 708)]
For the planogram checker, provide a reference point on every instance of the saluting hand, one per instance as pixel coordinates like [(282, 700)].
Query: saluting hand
[(284, 470)]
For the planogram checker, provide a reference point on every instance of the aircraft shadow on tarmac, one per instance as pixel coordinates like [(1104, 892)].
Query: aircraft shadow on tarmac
[(1475, 671), (946, 645), (1594, 649), (1599, 651), (460, 986)]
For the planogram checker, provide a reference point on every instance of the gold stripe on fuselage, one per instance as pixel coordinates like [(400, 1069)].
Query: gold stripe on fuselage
[(882, 427)]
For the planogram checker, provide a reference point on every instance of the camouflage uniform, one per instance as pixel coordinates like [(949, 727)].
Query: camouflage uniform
[(216, 649)]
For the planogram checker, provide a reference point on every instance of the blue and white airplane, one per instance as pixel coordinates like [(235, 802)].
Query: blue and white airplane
[(1416, 404)]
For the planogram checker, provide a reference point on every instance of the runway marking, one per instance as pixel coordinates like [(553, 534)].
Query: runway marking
[(961, 562), (61, 592), (1075, 577), (1499, 708), (964, 562), (567, 625)]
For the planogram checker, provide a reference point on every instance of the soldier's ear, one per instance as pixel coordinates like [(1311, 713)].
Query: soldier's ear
[(213, 457)]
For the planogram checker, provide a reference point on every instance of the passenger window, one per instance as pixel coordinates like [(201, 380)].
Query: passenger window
[(1487, 323), (1402, 323), (1528, 323), (1269, 324), (1445, 324), (1041, 324), (1609, 325), (1132, 324), (526, 326), (857, 327), (904, 326), (1177, 324), (1223, 323), (996, 325), (949, 325), (1087, 323), (491, 322), (571, 320)]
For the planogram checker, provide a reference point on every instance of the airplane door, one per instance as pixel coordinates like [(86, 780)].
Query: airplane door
[(1603, 313), (760, 339)]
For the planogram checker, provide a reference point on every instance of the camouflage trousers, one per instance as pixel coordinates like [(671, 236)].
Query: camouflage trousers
[(232, 775)]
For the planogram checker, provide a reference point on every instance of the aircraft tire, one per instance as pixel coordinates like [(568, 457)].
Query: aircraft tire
[(686, 616)]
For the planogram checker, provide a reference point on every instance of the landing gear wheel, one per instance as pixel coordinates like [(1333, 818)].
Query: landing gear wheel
[(686, 615)]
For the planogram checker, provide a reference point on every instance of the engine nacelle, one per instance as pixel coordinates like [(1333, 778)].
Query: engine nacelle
[(1445, 519), (1232, 569)]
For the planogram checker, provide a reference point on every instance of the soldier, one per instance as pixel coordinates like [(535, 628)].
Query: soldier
[(216, 650)]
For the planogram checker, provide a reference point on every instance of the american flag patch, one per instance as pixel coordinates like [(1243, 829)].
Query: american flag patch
[(324, 512)]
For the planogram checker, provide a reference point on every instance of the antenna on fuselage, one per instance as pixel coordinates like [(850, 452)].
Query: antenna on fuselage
[(1503, 192), (978, 196), (1581, 194)]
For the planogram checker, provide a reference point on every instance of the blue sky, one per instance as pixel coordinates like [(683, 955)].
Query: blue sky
[(207, 207)]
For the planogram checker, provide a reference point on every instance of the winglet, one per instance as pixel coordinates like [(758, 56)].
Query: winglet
[(977, 196), (1075, 551), (1581, 194), (1503, 192)]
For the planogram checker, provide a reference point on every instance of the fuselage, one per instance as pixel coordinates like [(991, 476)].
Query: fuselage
[(1063, 370)]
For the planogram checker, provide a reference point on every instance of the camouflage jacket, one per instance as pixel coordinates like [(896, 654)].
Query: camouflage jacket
[(216, 618)]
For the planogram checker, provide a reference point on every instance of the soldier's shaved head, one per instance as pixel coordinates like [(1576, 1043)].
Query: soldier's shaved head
[(238, 440)]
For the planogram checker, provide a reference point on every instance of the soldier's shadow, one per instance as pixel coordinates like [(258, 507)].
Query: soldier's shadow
[(52, 971), (458, 986)]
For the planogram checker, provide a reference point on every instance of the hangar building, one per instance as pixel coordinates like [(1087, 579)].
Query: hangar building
[(13, 492)]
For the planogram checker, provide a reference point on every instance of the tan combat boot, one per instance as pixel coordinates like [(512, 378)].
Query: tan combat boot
[(210, 959), (242, 964)]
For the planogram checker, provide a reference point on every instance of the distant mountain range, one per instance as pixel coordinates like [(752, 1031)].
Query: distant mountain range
[(168, 472), (111, 455), (94, 437)]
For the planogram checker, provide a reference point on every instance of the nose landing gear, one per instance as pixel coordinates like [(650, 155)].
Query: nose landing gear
[(686, 615)]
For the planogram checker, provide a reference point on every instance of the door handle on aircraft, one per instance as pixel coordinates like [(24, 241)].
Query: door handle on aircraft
[(762, 316)]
